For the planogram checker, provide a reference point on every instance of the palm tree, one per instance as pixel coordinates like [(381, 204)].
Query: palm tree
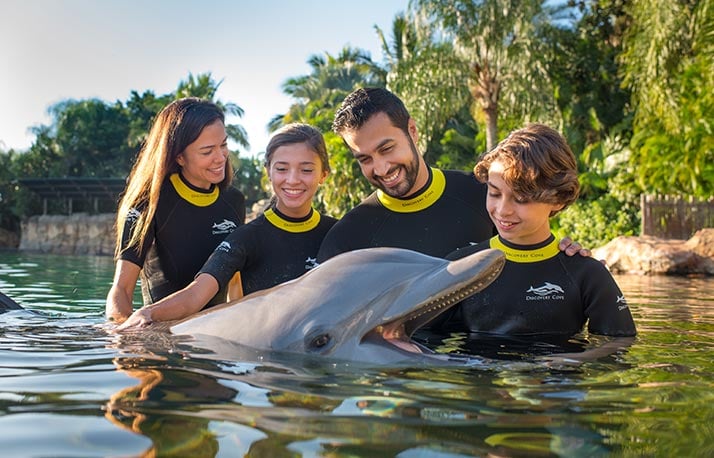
[(496, 41), (425, 74), (204, 86), (318, 94)]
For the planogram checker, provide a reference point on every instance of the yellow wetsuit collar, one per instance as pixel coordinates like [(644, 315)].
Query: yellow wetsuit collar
[(281, 222), (547, 251), (423, 200), (190, 194)]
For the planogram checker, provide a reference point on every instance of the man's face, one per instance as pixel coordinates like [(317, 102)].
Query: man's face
[(387, 156)]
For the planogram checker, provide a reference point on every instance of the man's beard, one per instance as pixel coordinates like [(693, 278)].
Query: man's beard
[(411, 171)]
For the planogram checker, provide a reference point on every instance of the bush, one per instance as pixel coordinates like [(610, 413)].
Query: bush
[(593, 223)]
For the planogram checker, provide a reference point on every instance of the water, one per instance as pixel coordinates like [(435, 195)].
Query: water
[(68, 388)]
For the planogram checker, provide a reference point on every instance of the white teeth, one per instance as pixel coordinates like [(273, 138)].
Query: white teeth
[(390, 178)]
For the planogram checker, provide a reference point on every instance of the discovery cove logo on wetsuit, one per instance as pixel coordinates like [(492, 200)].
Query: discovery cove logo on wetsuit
[(548, 291), (224, 227), (133, 215), (425, 199), (311, 263)]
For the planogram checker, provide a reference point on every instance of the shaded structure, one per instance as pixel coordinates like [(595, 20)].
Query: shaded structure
[(675, 217), (93, 190)]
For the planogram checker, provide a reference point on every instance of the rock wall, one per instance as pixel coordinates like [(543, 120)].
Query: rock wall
[(79, 233), (647, 255), (8, 239)]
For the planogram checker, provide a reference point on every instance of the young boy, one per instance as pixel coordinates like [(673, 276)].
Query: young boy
[(531, 176)]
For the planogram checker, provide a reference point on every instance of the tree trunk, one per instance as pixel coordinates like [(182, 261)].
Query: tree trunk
[(491, 126), (485, 89)]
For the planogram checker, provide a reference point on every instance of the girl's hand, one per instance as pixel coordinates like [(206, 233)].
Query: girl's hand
[(138, 320)]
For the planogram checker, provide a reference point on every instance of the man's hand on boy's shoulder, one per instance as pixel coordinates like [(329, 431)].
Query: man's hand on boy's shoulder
[(572, 248)]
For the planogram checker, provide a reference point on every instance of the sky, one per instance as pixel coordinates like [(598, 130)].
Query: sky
[(53, 50)]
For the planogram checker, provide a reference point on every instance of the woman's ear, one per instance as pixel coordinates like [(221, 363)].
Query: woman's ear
[(180, 160)]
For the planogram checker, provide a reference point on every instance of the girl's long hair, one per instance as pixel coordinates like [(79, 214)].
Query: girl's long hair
[(178, 125)]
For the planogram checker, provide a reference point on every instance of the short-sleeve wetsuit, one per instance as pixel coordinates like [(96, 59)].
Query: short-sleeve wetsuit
[(269, 250), (188, 225), (542, 291), (448, 213)]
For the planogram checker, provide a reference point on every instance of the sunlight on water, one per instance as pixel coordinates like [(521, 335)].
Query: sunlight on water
[(69, 388)]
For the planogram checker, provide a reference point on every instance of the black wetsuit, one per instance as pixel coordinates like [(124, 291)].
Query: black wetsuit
[(269, 250), (188, 225), (542, 291), (448, 213)]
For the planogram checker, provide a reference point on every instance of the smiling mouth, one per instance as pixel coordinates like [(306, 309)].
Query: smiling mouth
[(293, 192), (391, 179)]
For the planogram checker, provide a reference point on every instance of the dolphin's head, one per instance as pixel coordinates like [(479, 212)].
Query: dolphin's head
[(362, 305)]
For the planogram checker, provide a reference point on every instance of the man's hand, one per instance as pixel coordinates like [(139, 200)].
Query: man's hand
[(572, 248)]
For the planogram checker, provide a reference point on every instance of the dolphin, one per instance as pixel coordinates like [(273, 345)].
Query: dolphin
[(7, 304), (362, 305)]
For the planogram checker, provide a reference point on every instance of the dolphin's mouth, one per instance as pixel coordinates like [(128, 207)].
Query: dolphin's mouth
[(398, 331)]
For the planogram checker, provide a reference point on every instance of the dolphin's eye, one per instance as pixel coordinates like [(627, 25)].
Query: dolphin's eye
[(320, 341)]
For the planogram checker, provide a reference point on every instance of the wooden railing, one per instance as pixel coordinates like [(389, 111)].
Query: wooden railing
[(675, 217)]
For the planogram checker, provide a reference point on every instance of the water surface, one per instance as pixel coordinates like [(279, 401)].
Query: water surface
[(69, 388)]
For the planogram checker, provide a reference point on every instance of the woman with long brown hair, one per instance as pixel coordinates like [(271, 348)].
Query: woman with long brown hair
[(177, 207)]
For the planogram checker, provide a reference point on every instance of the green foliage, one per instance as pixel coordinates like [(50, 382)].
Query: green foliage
[(596, 222), (90, 136), (680, 160), (582, 66), (345, 187), (668, 63), (248, 178), (141, 110), (9, 216)]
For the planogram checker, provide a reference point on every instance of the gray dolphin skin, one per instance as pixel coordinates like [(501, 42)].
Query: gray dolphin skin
[(362, 305)]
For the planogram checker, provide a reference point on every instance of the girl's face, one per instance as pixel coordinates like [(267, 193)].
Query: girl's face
[(203, 162), (518, 221), (295, 172)]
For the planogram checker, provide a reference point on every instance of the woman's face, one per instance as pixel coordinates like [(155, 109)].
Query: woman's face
[(203, 162), (295, 172)]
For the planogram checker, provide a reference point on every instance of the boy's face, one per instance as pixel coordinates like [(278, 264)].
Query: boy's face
[(518, 221)]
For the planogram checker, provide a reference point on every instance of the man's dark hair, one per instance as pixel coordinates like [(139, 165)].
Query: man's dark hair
[(362, 104)]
